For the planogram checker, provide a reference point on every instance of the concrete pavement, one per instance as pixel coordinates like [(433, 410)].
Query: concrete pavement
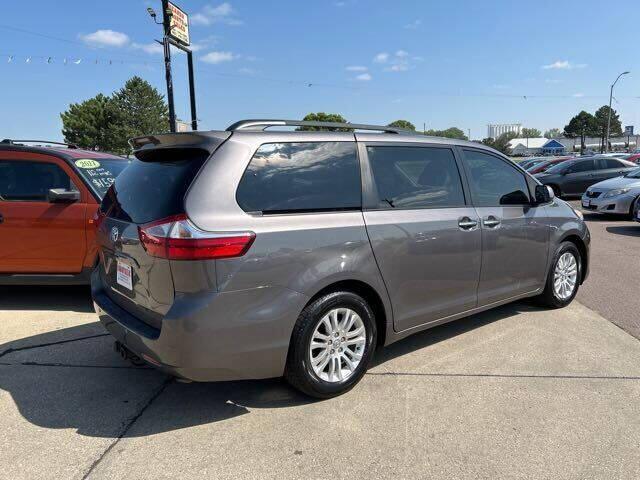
[(613, 289), (518, 392)]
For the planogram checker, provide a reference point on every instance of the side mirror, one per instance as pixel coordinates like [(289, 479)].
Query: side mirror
[(62, 195), (544, 194)]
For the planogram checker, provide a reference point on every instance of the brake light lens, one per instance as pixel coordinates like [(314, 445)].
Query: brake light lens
[(176, 238)]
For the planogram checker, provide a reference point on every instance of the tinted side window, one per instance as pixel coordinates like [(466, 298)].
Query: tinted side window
[(31, 181), (493, 182), (299, 177), (582, 166), (416, 177), (613, 163)]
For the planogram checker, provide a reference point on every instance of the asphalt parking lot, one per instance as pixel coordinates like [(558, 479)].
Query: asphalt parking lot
[(518, 392)]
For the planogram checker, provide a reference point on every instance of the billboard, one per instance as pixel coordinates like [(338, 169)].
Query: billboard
[(179, 26), (628, 130)]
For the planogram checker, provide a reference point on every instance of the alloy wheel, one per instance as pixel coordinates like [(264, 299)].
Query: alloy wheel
[(337, 345)]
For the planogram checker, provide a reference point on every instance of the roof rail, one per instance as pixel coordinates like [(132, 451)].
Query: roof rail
[(11, 141), (261, 124)]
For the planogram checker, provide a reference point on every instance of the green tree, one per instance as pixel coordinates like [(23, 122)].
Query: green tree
[(107, 123), (87, 124), (501, 143), (553, 133), (530, 133), (582, 125), (406, 124), (602, 117), (140, 110), (324, 117), (452, 132)]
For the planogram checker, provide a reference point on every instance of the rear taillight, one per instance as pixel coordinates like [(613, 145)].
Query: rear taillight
[(176, 238)]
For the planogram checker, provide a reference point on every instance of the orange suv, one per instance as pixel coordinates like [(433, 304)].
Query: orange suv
[(49, 196)]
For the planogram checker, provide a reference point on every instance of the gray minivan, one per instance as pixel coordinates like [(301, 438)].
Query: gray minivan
[(252, 253)]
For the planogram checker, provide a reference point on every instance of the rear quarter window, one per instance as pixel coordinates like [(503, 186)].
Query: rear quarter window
[(301, 177)]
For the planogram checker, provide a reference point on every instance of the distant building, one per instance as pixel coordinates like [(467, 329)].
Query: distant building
[(561, 146), (495, 130)]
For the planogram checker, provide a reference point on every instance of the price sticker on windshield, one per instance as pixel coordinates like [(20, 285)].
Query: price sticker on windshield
[(87, 163)]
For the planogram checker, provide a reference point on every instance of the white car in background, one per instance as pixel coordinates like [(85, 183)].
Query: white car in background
[(617, 195)]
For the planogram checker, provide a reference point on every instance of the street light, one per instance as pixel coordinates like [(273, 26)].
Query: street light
[(606, 147)]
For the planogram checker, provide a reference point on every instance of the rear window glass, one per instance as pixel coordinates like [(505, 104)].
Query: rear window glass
[(301, 177), (152, 190)]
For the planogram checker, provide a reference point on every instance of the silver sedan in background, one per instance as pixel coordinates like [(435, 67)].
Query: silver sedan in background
[(617, 195)]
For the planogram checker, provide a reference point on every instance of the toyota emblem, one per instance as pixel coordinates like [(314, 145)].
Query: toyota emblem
[(114, 234)]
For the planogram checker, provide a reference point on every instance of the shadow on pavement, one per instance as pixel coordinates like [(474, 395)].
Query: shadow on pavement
[(105, 399), (58, 298), (630, 231)]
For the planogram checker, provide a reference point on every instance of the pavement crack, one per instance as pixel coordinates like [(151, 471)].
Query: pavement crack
[(49, 344), (501, 375), (127, 426)]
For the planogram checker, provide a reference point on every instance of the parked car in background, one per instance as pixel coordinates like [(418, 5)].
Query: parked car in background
[(546, 165), (49, 196), (573, 177), (633, 157), (532, 161), (617, 195), (249, 253)]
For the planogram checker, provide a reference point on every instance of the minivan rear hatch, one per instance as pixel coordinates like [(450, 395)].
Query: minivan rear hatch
[(150, 189)]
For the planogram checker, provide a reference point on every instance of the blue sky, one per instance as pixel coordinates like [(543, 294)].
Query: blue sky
[(464, 63)]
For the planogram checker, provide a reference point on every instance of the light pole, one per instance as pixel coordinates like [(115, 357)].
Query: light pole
[(166, 28), (606, 146)]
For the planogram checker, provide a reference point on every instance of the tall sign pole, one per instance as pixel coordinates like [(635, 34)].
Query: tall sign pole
[(166, 24)]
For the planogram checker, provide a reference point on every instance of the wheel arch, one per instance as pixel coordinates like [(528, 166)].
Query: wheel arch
[(582, 248), (370, 295)]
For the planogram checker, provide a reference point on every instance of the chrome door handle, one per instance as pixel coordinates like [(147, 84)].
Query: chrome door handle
[(465, 223), (491, 222)]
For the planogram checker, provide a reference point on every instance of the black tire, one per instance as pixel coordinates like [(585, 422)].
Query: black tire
[(632, 209), (548, 298), (299, 372)]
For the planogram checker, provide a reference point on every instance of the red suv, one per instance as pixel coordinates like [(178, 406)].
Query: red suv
[(49, 196)]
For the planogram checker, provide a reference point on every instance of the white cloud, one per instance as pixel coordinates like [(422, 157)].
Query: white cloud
[(223, 13), (150, 48), (356, 68), (413, 25), (382, 57), (402, 53), (364, 77), (398, 67), (563, 65), (578, 95), (105, 38), (218, 57)]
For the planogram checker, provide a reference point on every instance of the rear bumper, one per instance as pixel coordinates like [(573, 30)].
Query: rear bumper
[(618, 205), (210, 336)]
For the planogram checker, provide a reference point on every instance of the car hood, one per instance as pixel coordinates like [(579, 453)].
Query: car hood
[(617, 182)]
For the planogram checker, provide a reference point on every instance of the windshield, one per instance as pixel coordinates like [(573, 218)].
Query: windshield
[(559, 167), (633, 173), (539, 165), (100, 173)]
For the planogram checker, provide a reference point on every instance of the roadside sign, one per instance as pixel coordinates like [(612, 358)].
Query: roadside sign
[(628, 130), (179, 26)]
